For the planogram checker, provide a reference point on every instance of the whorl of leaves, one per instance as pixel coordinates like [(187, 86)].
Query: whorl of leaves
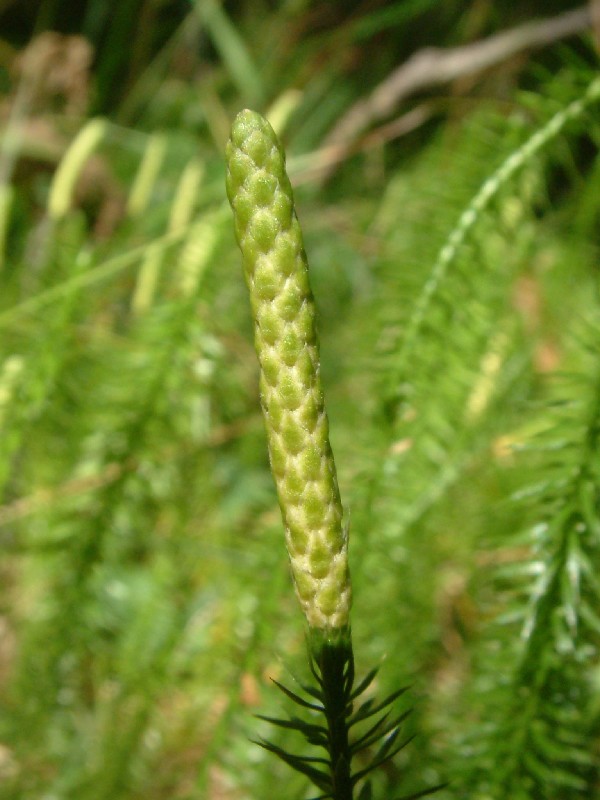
[(344, 726)]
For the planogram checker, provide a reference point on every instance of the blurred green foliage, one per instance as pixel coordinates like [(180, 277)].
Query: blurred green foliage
[(145, 600)]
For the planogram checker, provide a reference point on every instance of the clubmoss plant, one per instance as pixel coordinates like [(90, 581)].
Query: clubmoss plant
[(302, 463)]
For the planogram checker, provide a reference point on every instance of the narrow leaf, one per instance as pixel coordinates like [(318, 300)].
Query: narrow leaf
[(297, 699), (300, 764), (367, 710), (364, 684)]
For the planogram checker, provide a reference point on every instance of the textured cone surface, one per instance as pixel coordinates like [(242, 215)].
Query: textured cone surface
[(292, 399)]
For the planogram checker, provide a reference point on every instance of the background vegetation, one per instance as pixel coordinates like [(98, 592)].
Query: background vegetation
[(452, 232)]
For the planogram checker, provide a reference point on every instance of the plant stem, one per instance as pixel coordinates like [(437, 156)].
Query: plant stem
[(334, 660)]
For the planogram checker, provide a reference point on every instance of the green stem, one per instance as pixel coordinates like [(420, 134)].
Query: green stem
[(334, 662)]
